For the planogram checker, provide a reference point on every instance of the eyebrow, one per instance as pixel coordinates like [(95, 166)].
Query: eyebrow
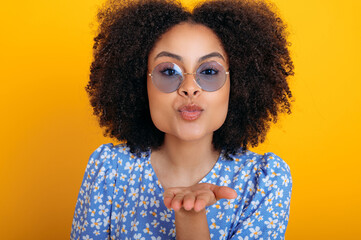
[(179, 58)]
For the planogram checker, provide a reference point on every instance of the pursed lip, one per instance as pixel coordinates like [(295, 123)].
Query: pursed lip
[(190, 112), (190, 108)]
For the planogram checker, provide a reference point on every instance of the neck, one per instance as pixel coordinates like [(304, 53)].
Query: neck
[(187, 162)]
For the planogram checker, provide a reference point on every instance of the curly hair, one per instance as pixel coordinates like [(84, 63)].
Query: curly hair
[(253, 36)]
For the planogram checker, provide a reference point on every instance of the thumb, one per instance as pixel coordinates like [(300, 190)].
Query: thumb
[(224, 192)]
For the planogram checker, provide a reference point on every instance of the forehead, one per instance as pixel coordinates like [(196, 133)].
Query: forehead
[(190, 41)]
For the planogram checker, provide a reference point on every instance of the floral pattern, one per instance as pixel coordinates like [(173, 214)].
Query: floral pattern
[(121, 198)]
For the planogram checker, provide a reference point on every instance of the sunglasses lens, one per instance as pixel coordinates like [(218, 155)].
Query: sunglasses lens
[(167, 77), (211, 76)]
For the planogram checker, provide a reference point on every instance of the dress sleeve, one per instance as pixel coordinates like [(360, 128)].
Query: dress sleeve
[(266, 212), (92, 211)]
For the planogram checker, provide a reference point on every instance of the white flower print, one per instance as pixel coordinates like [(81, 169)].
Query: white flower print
[(274, 174), (151, 188), (220, 215), (162, 230), (239, 188), (154, 202), (143, 213), (285, 180), (103, 210), (124, 150), (92, 212), (283, 213), (281, 227), (149, 175), (255, 204), (98, 198), (214, 175), (139, 166), (96, 223), (110, 200), (143, 201), (134, 225), (124, 230), (223, 233), (112, 174), (138, 237), (86, 184), (248, 223), (279, 193), (269, 199), (250, 187), (104, 156), (218, 166), (133, 193), (129, 166), (131, 179), (255, 232), (116, 216), (271, 223), (271, 184), (123, 216), (257, 214), (86, 237), (228, 203), (155, 223), (147, 229), (213, 224), (275, 214), (123, 176), (250, 162), (246, 175), (132, 212), (241, 238), (276, 164), (164, 216), (172, 232), (154, 213), (225, 181)]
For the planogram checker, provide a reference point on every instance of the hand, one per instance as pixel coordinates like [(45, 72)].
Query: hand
[(196, 197)]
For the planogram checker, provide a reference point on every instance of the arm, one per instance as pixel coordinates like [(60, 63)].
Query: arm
[(191, 225), (189, 205), (95, 194)]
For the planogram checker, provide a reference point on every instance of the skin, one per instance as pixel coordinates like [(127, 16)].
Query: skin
[(187, 154)]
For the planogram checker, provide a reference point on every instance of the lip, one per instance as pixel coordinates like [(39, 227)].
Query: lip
[(190, 112)]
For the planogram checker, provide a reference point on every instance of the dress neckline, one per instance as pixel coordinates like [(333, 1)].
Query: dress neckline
[(204, 179)]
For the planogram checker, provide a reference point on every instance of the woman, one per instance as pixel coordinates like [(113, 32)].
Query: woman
[(189, 92)]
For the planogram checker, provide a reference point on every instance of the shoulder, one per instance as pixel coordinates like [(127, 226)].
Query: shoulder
[(267, 162), (109, 157), (258, 168)]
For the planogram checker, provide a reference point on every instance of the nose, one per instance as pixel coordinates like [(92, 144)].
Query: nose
[(189, 86)]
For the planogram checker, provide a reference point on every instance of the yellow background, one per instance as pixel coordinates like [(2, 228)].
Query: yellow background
[(48, 131)]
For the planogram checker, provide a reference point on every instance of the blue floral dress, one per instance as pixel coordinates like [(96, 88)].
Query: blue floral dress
[(121, 198)]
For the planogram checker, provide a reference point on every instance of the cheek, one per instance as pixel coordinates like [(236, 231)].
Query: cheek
[(157, 107), (221, 107), (221, 112)]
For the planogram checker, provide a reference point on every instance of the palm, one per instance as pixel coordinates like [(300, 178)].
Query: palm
[(196, 197)]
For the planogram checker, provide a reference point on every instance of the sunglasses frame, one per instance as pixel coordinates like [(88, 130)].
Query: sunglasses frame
[(184, 73)]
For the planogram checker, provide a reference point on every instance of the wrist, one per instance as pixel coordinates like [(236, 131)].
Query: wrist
[(191, 224)]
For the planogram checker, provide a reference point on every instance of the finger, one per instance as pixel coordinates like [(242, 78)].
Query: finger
[(224, 192), (177, 201), (202, 200), (168, 197), (188, 201)]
